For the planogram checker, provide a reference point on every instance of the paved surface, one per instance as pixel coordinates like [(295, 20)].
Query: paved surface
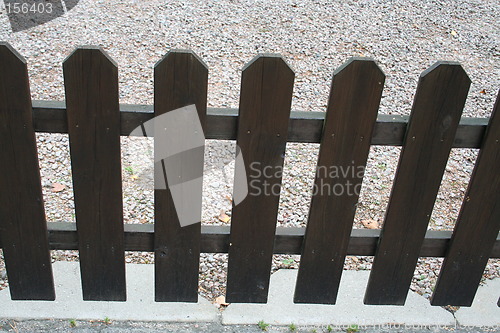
[(141, 314), (349, 309), (148, 327), (140, 304), (483, 310)]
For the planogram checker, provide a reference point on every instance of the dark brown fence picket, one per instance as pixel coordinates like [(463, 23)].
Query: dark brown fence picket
[(352, 110), (94, 120), (439, 101), (181, 79), (477, 225), (266, 95), (91, 81), (23, 230)]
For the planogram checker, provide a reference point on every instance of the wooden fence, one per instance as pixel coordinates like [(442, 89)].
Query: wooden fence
[(263, 124)]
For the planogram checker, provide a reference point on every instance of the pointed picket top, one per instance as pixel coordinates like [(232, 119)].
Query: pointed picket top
[(442, 65), (175, 53), (357, 61), (6, 50), (267, 57), (85, 50), (13, 72), (180, 79), (443, 74), (442, 71)]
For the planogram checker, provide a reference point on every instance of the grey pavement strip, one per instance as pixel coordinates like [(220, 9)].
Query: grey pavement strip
[(349, 310), (140, 304)]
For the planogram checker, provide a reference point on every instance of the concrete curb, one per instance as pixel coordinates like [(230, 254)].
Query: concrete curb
[(139, 306), (484, 310), (415, 315), (349, 310)]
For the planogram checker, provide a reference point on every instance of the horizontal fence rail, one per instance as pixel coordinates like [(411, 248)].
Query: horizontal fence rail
[(221, 124), (262, 126), (215, 239)]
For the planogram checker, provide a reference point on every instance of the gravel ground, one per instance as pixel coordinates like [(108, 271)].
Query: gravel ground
[(315, 37)]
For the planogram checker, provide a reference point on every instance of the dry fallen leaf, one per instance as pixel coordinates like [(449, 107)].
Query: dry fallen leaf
[(221, 300), (56, 187), (224, 217), (370, 224), (483, 91)]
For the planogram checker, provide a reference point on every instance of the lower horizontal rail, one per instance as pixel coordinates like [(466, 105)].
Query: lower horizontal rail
[(215, 239)]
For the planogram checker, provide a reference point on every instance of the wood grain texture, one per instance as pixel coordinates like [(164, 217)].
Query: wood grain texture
[(352, 110), (180, 80), (477, 225), (23, 230), (266, 96), (439, 101), (91, 82)]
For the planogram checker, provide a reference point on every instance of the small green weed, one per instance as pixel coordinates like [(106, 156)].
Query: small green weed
[(262, 325), (129, 169), (352, 329)]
